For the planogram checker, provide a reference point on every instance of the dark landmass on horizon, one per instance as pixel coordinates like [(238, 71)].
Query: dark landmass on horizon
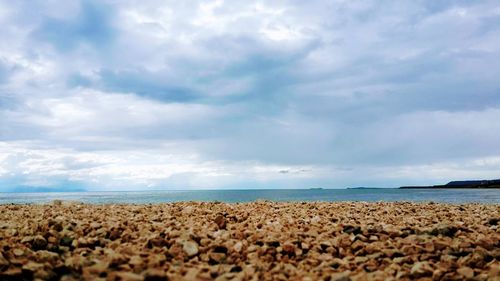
[(462, 184)]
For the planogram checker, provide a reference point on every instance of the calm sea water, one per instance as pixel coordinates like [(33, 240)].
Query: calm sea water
[(141, 197)]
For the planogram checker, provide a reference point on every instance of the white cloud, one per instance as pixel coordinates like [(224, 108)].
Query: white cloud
[(132, 169), (91, 113)]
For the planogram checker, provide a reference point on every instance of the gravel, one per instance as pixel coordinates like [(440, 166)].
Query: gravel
[(261, 240)]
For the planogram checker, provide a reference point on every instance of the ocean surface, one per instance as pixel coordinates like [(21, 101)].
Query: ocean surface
[(489, 196)]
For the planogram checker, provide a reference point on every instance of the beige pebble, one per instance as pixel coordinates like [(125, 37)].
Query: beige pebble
[(190, 248), (466, 272), (238, 246), (421, 269)]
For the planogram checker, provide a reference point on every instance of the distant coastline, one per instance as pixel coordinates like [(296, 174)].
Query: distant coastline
[(462, 184)]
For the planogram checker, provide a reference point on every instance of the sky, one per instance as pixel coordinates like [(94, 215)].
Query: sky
[(136, 95)]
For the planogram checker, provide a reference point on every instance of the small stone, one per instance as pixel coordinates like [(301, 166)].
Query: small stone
[(274, 244), (437, 274), (325, 244), (3, 261), (155, 275), (114, 234), (217, 257), (155, 242), (466, 272), (190, 248), (493, 221), (376, 247), (220, 220), (340, 276), (96, 269), (494, 271), (117, 259), (12, 232), (95, 225), (52, 240), (288, 249), (357, 245), (129, 276), (18, 252), (39, 243), (12, 274), (32, 266), (46, 256), (445, 230), (27, 239), (135, 261), (352, 229), (238, 246), (86, 242), (220, 249), (236, 268), (191, 275), (421, 269), (477, 258), (176, 250), (441, 245), (316, 219), (66, 241), (44, 274)]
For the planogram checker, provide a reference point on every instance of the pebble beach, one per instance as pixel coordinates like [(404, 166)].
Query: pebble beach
[(261, 240)]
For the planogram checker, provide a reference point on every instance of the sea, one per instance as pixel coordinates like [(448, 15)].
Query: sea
[(457, 196)]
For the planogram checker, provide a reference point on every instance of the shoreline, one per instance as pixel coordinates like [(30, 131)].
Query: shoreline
[(69, 203), (232, 196), (261, 240)]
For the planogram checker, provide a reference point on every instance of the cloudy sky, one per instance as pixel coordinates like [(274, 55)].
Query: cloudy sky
[(115, 95)]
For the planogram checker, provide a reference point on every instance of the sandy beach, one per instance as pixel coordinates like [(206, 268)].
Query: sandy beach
[(250, 241)]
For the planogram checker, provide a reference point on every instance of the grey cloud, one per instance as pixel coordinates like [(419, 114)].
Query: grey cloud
[(344, 84), (91, 25), (147, 84)]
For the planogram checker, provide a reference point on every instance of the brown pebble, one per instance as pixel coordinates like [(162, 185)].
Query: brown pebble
[(220, 220), (114, 234), (466, 272), (445, 230), (217, 257), (288, 248)]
